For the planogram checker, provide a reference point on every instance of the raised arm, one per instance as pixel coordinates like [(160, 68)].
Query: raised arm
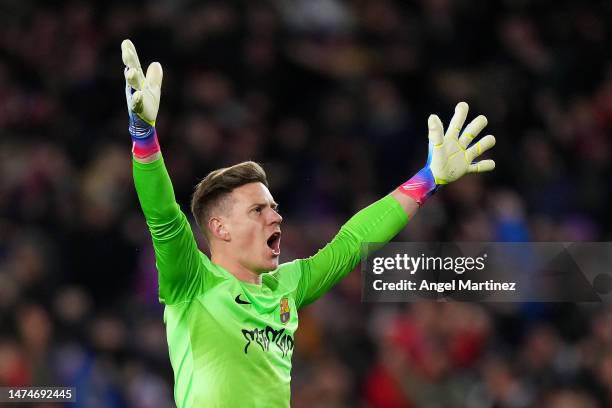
[(178, 259), (450, 157)]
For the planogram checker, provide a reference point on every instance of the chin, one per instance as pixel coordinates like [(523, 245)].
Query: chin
[(270, 265)]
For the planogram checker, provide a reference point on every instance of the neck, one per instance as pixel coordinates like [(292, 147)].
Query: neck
[(234, 267)]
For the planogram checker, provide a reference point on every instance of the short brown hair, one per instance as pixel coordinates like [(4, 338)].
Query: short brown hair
[(213, 188)]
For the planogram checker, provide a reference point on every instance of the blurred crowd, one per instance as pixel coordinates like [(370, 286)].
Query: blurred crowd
[(332, 97)]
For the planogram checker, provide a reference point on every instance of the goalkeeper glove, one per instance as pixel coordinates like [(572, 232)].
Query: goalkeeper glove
[(450, 155), (142, 94)]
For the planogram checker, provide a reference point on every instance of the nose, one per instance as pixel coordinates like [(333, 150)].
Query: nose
[(276, 217)]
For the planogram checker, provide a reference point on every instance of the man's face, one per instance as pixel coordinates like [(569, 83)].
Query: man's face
[(254, 227)]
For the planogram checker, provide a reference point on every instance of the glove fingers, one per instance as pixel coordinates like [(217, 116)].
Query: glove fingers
[(154, 75), (436, 130), (133, 74), (129, 55), (480, 147), (481, 166), (456, 123), (137, 102), (134, 78), (472, 130)]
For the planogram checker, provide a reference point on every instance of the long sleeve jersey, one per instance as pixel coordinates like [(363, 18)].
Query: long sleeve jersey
[(231, 342)]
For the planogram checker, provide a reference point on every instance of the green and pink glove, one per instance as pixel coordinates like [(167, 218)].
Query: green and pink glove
[(450, 156), (142, 94)]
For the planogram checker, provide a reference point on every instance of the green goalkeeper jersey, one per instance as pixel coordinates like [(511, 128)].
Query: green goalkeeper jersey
[(231, 342)]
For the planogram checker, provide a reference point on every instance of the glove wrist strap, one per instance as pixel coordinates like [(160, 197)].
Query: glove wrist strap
[(421, 186), (144, 137)]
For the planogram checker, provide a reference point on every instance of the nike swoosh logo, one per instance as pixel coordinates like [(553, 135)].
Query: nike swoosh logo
[(241, 302)]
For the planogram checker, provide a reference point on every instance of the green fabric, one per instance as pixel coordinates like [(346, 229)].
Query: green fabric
[(225, 353)]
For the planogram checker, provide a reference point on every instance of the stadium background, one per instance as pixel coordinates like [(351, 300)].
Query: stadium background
[(332, 97)]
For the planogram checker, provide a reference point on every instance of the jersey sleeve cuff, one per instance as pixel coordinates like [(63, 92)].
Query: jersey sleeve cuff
[(148, 166)]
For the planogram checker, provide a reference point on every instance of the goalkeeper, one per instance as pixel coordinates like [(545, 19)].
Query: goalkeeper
[(231, 318)]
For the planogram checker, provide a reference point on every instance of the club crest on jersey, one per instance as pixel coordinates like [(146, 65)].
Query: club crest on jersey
[(285, 312)]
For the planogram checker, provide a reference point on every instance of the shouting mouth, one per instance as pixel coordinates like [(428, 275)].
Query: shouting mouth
[(274, 243)]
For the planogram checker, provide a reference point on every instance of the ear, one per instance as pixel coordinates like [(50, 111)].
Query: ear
[(218, 229)]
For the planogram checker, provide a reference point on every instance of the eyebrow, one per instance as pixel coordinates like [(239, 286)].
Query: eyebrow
[(273, 204)]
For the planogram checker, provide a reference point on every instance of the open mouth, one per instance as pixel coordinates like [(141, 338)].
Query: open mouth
[(274, 243)]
